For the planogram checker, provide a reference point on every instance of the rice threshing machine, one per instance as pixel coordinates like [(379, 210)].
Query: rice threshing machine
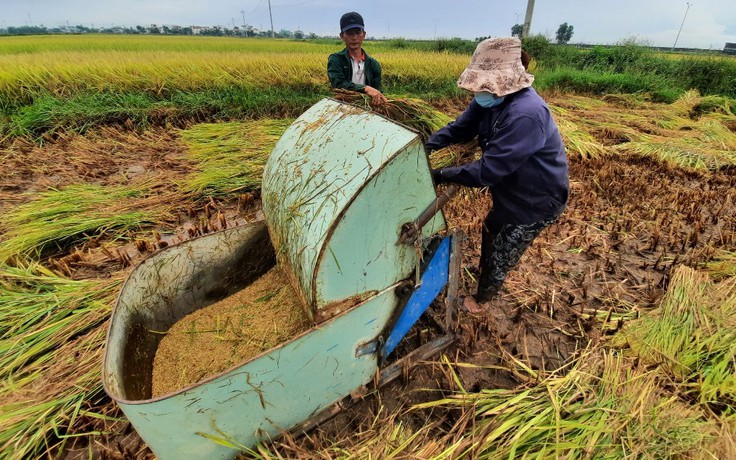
[(352, 214)]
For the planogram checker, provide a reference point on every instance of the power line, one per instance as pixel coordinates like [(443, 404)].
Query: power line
[(294, 3)]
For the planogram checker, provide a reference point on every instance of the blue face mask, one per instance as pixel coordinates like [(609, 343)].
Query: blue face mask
[(487, 100)]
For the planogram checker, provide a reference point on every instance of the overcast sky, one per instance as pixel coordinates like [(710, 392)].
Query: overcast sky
[(708, 23)]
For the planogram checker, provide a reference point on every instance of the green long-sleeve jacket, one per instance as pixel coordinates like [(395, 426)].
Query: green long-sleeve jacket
[(340, 72)]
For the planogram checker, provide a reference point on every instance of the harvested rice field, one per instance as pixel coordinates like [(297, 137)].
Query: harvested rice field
[(613, 338)]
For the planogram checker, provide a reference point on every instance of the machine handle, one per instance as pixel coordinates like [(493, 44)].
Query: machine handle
[(410, 231)]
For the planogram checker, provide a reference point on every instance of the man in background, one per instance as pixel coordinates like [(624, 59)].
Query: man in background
[(352, 68)]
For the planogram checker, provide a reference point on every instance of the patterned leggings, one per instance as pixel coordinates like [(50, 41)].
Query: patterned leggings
[(502, 246)]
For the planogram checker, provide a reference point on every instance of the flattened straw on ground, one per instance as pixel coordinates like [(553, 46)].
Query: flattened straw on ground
[(52, 333), (694, 132), (230, 157)]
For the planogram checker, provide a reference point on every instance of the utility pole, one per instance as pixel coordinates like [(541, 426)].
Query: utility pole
[(683, 22), (270, 16), (245, 28), (528, 19)]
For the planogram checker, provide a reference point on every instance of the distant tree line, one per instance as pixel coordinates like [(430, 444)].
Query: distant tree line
[(563, 34), (153, 29)]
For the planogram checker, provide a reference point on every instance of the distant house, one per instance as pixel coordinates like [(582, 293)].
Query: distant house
[(730, 48)]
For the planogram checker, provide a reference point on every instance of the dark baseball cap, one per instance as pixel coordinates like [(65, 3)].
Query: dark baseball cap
[(351, 21)]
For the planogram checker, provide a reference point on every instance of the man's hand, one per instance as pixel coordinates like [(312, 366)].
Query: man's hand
[(377, 98)]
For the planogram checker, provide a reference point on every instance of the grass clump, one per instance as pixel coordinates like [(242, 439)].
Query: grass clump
[(58, 218), (230, 156)]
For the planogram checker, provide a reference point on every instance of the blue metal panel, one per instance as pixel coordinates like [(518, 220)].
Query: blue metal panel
[(433, 280)]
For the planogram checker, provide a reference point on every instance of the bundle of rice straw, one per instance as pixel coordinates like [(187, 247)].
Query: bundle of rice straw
[(411, 112)]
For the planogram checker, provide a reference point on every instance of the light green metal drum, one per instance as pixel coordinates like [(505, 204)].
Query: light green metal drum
[(337, 188)]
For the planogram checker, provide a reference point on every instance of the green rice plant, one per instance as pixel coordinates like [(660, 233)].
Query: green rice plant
[(51, 334), (594, 82), (602, 408), (230, 156), (49, 114), (80, 112), (692, 338), (723, 265), (55, 218)]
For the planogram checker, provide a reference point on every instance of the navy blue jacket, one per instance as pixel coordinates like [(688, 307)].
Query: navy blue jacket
[(523, 163)]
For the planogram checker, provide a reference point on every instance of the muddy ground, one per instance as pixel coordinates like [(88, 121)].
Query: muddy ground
[(628, 222)]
